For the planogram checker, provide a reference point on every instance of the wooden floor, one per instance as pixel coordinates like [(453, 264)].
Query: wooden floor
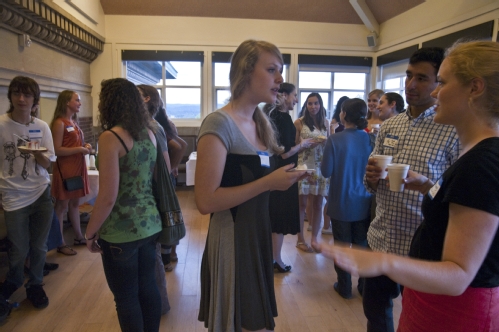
[(80, 299)]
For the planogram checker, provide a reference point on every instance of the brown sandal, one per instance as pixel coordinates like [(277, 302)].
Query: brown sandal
[(66, 250), (304, 247)]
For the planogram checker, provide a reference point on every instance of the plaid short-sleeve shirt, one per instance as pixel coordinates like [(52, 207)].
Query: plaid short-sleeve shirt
[(429, 148)]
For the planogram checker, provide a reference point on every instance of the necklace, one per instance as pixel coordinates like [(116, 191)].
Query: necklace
[(31, 120)]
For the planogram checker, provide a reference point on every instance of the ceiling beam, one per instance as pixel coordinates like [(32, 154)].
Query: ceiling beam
[(365, 15)]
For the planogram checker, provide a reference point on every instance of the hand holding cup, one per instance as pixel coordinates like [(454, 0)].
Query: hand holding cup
[(397, 173)]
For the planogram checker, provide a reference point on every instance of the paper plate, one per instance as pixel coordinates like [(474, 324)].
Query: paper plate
[(24, 149)]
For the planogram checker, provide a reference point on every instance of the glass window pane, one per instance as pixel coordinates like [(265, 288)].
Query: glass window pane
[(222, 98), (144, 72), (352, 81), (314, 80), (392, 84), (350, 94), (183, 103), (222, 74), (183, 73), (285, 73), (324, 96)]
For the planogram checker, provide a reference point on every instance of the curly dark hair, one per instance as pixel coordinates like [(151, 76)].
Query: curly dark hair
[(120, 103)]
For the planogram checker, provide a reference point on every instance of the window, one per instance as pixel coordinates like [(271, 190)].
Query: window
[(393, 77), (331, 85), (176, 75), (221, 84), (396, 84)]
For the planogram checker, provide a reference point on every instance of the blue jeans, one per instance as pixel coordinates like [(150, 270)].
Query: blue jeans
[(354, 232), (130, 273), (377, 300), (27, 230)]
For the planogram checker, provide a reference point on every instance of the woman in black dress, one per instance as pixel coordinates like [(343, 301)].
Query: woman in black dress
[(283, 205)]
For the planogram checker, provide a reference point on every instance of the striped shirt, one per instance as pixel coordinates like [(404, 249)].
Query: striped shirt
[(429, 148)]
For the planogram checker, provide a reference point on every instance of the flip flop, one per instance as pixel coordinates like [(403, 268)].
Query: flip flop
[(169, 267), (81, 242), (327, 231), (66, 250), (304, 247)]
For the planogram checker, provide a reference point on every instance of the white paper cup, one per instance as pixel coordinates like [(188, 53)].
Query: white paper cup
[(397, 174), (382, 161), (375, 126)]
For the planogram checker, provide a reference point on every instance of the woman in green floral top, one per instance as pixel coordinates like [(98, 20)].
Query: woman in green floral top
[(125, 221)]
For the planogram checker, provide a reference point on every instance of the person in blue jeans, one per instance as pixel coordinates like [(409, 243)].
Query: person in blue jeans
[(25, 189), (125, 222), (344, 160)]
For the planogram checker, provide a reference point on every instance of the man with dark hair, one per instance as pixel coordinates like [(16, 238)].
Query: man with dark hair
[(429, 148), (25, 189)]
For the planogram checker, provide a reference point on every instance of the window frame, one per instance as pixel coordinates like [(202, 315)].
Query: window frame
[(332, 69)]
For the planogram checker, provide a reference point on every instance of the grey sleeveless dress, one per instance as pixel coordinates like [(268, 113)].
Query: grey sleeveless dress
[(237, 277)]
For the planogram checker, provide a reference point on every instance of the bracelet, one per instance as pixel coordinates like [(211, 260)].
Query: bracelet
[(89, 239)]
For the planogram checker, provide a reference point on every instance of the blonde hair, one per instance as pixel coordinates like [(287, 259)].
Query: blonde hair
[(478, 59), (62, 105), (242, 65), (377, 92)]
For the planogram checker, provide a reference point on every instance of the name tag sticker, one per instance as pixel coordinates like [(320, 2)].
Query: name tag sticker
[(390, 141), (264, 158), (70, 129), (434, 190), (35, 134)]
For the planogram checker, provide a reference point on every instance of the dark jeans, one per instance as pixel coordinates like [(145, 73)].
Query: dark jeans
[(27, 231), (378, 296), (354, 232), (130, 273)]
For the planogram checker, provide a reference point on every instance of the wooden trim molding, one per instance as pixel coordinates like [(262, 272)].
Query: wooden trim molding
[(47, 26)]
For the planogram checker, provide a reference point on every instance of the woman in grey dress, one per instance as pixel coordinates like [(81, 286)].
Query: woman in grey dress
[(234, 174)]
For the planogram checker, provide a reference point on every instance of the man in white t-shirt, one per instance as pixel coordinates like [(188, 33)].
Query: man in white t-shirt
[(25, 189)]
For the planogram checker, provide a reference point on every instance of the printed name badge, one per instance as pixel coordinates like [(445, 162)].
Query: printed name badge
[(264, 158), (35, 134), (434, 190), (390, 141), (70, 129)]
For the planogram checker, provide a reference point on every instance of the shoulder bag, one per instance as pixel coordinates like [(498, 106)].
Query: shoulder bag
[(173, 228), (73, 183)]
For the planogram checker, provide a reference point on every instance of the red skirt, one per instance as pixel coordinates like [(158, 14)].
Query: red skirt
[(477, 309)]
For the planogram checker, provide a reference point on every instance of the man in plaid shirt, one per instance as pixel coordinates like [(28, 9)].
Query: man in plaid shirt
[(429, 148)]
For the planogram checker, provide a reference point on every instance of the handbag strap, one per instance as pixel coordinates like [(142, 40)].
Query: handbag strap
[(123, 143), (59, 168)]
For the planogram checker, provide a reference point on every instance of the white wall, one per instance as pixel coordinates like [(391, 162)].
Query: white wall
[(88, 12)]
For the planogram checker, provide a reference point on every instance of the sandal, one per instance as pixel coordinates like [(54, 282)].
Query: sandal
[(81, 242), (66, 250), (304, 247), (315, 249), (327, 231), (169, 267)]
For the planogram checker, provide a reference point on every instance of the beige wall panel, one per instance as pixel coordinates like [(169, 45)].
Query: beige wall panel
[(54, 71), (101, 68), (231, 32)]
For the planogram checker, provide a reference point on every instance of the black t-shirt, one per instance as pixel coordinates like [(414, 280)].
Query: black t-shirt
[(286, 133), (472, 181)]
